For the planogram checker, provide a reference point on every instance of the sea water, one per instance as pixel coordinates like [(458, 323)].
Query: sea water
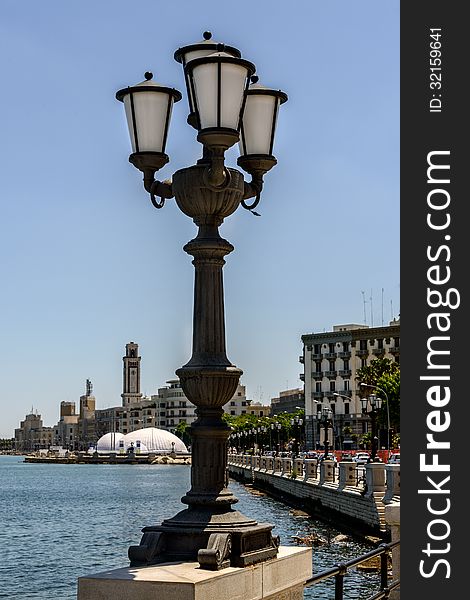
[(61, 522)]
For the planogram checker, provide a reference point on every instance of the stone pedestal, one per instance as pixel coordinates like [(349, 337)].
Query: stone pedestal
[(327, 471), (281, 578), (347, 474), (310, 468), (393, 483), (286, 467), (375, 478)]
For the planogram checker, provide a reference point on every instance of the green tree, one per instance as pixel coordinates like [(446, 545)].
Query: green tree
[(383, 374), (182, 431)]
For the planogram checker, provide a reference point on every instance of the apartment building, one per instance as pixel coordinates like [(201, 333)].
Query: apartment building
[(331, 360)]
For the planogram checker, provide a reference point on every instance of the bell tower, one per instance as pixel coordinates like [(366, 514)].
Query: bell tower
[(131, 375)]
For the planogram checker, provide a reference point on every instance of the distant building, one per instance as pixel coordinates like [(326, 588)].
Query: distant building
[(31, 435), (331, 360), (66, 430), (290, 401), (131, 376)]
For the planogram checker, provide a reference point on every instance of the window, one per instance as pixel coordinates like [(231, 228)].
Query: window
[(363, 344), (331, 347), (332, 386), (345, 346), (347, 385), (332, 365), (232, 403), (243, 402), (363, 362), (317, 349), (232, 412), (346, 408), (239, 394), (380, 343), (333, 408), (318, 366), (318, 386), (243, 412), (346, 365), (319, 409)]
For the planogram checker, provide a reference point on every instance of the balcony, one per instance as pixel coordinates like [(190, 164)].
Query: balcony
[(317, 374), (301, 360), (329, 374), (317, 395), (362, 352), (345, 373), (316, 356), (330, 355), (378, 351), (394, 350), (302, 377), (344, 354)]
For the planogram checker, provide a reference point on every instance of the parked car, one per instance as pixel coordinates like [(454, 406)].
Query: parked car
[(328, 457), (361, 458), (311, 454), (394, 459)]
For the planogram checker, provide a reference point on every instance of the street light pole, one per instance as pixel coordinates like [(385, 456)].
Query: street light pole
[(375, 403), (224, 108), (326, 417)]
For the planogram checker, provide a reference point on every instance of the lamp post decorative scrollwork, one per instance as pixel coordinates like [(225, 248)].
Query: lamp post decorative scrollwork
[(227, 105)]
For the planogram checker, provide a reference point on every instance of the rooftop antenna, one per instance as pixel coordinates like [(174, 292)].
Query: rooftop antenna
[(364, 303), (391, 310), (371, 311), (382, 307)]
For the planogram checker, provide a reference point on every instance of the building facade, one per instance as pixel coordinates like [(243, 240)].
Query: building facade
[(290, 401), (31, 435), (331, 360)]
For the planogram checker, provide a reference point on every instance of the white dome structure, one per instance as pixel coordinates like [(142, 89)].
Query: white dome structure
[(109, 443), (155, 440), (151, 439)]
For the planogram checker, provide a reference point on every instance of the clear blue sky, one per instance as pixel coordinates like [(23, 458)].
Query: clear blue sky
[(87, 264)]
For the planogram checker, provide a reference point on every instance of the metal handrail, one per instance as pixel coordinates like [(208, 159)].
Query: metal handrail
[(340, 570)]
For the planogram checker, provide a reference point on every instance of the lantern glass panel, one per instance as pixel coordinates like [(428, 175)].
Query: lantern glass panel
[(232, 89), (150, 113), (258, 123)]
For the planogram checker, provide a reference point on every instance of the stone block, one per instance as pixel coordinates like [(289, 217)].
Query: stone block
[(280, 578)]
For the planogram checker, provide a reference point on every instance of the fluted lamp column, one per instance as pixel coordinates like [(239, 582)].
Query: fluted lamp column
[(217, 81)]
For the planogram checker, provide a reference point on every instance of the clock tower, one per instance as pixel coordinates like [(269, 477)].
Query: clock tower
[(131, 375)]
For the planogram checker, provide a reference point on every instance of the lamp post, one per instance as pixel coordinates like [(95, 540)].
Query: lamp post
[(326, 415), (376, 387), (278, 427), (348, 398), (375, 404), (296, 423), (226, 105)]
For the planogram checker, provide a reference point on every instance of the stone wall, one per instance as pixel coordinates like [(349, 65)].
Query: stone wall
[(332, 493)]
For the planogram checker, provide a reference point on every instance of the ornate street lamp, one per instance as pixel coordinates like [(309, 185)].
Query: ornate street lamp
[(327, 414), (375, 405), (376, 387), (296, 423), (217, 78)]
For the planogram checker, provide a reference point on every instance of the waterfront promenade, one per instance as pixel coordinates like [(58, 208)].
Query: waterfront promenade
[(349, 495)]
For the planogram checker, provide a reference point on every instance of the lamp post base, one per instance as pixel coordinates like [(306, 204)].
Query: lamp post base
[(216, 541)]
